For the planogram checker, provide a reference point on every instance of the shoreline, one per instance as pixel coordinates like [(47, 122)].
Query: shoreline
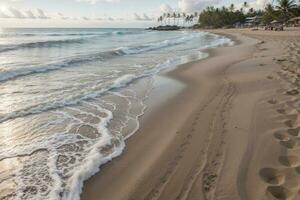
[(175, 74), (187, 147)]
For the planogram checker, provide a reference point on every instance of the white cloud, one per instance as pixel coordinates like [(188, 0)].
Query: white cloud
[(16, 13), (85, 18), (30, 14), (3, 15), (259, 4), (165, 8), (61, 16), (143, 17), (109, 19), (41, 14), (136, 16), (13, 13), (196, 5), (146, 17)]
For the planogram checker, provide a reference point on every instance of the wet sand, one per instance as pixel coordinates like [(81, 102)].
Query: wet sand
[(231, 133)]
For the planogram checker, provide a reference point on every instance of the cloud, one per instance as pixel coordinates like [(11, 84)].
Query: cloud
[(30, 14), (85, 18), (3, 15), (146, 17), (61, 16), (258, 4), (41, 14), (16, 13), (136, 16), (143, 17), (261, 3), (165, 8), (195, 5), (109, 19)]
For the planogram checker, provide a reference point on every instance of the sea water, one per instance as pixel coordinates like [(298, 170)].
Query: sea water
[(68, 101)]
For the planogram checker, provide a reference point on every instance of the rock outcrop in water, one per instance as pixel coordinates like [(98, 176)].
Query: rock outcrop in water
[(165, 28)]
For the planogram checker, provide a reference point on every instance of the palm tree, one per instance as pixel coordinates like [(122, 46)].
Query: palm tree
[(168, 17), (187, 18), (196, 14), (179, 17), (269, 14), (231, 7), (174, 16), (184, 18), (245, 6), (285, 7), (164, 18), (251, 10), (191, 18), (160, 19)]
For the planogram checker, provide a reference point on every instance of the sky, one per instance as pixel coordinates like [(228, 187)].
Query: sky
[(99, 13)]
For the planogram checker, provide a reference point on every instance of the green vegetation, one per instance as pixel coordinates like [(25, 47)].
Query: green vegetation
[(286, 8), (225, 17), (213, 17)]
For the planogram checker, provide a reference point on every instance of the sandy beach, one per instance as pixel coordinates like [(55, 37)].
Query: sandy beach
[(231, 133)]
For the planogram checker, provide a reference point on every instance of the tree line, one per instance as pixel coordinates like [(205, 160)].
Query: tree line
[(176, 18), (213, 17)]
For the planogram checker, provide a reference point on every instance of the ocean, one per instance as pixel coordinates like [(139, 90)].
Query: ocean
[(69, 100)]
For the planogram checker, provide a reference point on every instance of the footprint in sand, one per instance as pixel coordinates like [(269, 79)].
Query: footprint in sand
[(281, 111), (293, 103), (272, 101), (272, 176), (292, 92), (297, 169), (294, 131), (289, 161), (289, 144), (291, 118), (281, 136), (279, 192), (289, 123)]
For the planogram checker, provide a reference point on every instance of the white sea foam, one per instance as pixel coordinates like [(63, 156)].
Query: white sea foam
[(83, 127), (101, 56), (158, 45)]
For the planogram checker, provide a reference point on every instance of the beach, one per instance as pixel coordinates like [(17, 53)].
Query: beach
[(230, 133)]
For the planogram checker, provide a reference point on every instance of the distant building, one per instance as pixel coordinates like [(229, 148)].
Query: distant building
[(294, 22), (276, 25), (252, 21)]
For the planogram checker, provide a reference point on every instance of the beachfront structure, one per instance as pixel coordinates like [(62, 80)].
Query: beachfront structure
[(252, 21), (276, 25), (294, 22)]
